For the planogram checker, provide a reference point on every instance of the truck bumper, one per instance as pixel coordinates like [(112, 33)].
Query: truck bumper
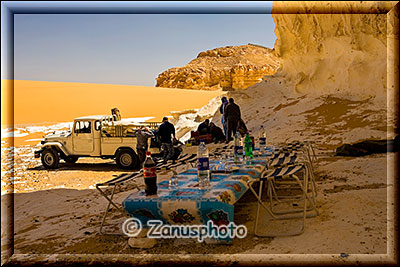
[(37, 154)]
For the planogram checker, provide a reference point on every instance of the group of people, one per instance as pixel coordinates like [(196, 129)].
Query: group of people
[(231, 122), (208, 127), (231, 118), (166, 134)]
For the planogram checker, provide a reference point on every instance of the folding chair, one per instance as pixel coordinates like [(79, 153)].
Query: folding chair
[(117, 181), (299, 146), (290, 158), (289, 173), (303, 152), (127, 177), (278, 180)]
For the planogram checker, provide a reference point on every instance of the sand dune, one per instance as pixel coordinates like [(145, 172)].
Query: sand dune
[(38, 102)]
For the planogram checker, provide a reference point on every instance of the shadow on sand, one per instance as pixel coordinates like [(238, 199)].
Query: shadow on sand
[(96, 167)]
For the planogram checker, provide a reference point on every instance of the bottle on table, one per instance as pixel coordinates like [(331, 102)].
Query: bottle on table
[(238, 148), (252, 140), (262, 139), (150, 175), (248, 147), (242, 145), (203, 166)]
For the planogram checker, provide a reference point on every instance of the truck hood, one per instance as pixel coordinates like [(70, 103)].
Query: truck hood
[(57, 136)]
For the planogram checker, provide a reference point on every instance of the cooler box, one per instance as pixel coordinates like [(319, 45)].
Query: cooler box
[(206, 137)]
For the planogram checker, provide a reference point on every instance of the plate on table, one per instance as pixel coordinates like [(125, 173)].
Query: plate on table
[(221, 168)]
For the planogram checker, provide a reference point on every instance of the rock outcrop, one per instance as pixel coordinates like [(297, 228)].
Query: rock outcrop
[(337, 80), (227, 68), (339, 47), (338, 76)]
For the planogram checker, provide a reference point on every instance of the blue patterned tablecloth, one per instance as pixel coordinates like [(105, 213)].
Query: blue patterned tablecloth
[(190, 205)]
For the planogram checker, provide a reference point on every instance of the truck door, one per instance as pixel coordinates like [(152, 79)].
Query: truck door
[(83, 138)]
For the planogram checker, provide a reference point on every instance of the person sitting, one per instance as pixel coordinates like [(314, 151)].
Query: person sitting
[(204, 127), (217, 133), (116, 114), (178, 149)]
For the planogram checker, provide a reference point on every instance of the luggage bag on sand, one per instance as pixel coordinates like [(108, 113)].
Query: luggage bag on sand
[(368, 147)]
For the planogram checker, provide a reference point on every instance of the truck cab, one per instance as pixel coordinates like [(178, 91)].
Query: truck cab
[(86, 136), (95, 136)]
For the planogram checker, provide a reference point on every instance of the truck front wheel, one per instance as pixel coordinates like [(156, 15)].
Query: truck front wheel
[(50, 158), (126, 159)]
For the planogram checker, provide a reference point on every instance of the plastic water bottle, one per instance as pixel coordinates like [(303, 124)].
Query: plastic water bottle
[(248, 147), (203, 166), (150, 175), (238, 148), (253, 143), (262, 139)]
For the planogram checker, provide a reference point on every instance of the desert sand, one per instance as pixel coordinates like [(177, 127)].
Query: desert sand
[(59, 211), (38, 102)]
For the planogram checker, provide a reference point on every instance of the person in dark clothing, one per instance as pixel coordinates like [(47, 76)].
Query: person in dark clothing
[(142, 135), (222, 110), (216, 132), (232, 117), (178, 148), (165, 131), (204, 127)]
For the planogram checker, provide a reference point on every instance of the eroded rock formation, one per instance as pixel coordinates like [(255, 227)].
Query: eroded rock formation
[(339, 47), (228, 68), (337, 81), (338, 76)]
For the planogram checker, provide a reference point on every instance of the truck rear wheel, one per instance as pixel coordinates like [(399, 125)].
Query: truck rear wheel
[(127, 159), (50, 158)]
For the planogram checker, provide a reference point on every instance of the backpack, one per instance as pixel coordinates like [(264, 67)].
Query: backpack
[(242, 128)]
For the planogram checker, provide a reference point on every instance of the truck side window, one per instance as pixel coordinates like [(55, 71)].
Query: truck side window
[(97, 125)]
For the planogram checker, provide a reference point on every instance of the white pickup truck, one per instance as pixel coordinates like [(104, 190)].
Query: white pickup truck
[(95, 136)]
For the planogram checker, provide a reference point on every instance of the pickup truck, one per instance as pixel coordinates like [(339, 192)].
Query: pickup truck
[(104, 136)]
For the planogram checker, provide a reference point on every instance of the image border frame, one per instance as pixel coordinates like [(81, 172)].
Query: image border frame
[(10, 8)]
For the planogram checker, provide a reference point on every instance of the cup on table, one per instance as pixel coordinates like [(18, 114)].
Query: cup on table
[(228, 166), (173, 183)]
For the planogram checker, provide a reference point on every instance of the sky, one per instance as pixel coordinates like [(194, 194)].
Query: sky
[(125, 48)]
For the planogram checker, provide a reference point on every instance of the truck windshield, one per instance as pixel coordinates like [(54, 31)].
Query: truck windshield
[(83, 127)]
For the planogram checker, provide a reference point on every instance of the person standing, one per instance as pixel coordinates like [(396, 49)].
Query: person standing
[(142, 135), (232, 118), (165, 131), (222, 110)]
